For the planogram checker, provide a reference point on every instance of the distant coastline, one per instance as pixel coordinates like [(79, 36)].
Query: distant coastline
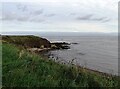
[(60, 33)]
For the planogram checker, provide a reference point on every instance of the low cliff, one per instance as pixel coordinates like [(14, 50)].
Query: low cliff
[(28, 41), (34, 43)]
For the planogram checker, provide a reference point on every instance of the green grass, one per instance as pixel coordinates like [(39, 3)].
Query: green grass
[(31, 70)]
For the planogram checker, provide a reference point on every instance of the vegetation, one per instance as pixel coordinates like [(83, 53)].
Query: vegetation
[(25, 69)]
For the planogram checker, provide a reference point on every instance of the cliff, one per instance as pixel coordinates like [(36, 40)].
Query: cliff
[(27, 41), (34, 43)]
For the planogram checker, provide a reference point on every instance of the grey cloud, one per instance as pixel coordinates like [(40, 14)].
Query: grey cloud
[(107, 20), (99, 19), (22, 7), (93, 18), (87, 17), (50, 15), (102, 19), (23, 18), (37, 12), (8, 17), (14, 16), (25, 8), (30, 19), (37, 20), (72, 13)]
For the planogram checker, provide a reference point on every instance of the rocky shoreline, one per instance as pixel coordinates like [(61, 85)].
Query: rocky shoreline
[(54, 46)]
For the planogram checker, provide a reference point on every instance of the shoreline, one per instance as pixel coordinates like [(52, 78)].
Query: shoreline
[(79, 66)]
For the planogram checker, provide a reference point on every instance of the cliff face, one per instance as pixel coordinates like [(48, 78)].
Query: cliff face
[(27, 41)]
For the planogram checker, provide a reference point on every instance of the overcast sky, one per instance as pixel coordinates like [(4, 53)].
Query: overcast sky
[(60, 15)]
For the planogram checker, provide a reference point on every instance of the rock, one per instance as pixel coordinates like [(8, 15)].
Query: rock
[(74, 43), (60, 45), (65, 47), (38, 49), (53, 46), (81, 53)]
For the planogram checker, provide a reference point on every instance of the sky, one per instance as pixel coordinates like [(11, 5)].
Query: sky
[(59, 15)]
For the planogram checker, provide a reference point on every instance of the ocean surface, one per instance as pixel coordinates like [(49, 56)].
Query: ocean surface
[(94, 52)]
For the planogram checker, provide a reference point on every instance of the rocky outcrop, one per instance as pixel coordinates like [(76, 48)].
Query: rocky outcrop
[(60, 45)]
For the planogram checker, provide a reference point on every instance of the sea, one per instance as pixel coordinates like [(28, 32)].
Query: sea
[(95, 51)]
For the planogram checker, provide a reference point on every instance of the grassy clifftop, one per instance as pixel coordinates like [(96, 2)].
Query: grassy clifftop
[(26, 69), (27, 41)]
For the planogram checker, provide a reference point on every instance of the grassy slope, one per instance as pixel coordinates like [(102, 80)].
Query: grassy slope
[(31, 70)]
